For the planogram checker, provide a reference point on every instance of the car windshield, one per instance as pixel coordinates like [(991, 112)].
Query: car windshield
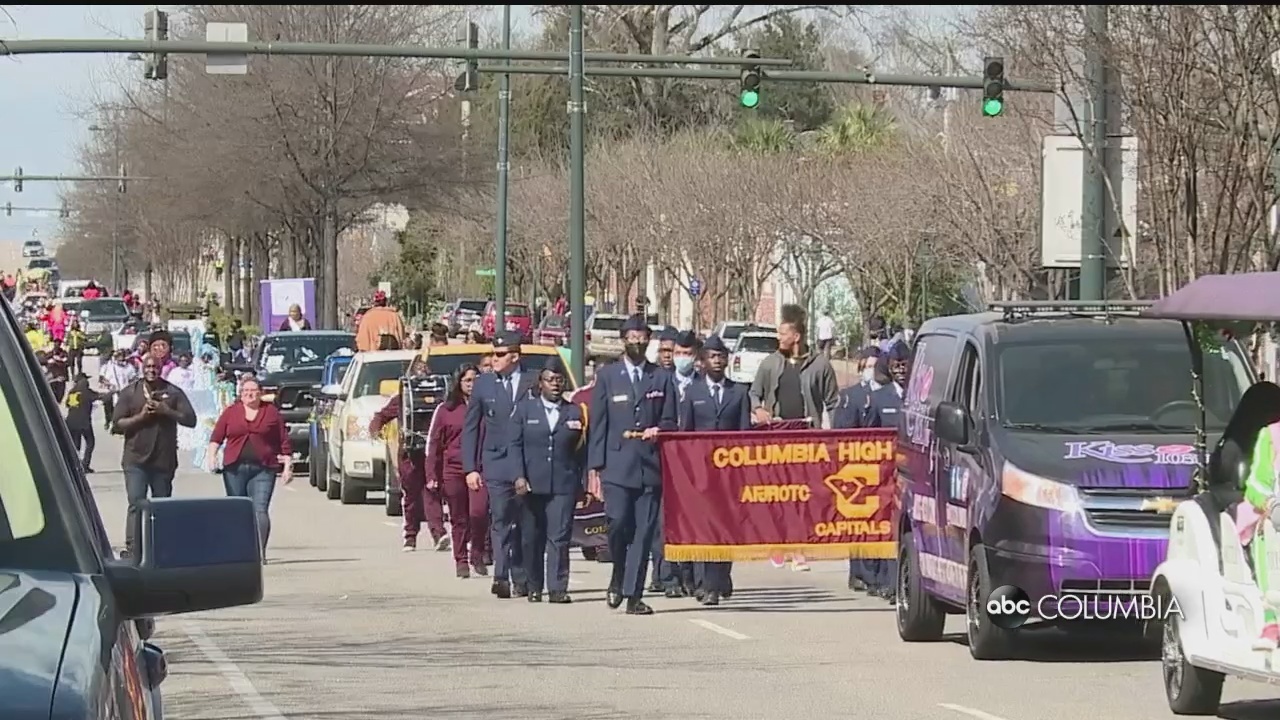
[(1109, 384), (291, 350), (517, 311), (758, 343), (373, 374), (447, 364), (41, 263), (553, 322), (475, 306), (613, 324), (104, 308)]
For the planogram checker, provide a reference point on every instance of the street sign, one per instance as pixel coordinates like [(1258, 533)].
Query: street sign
[(695, 287), (486, 272), (1061, 202), (226, 63)]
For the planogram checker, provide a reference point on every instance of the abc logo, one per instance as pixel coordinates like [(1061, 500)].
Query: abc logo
[(1008, 607)]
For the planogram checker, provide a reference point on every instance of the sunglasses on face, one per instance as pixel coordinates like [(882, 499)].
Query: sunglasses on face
[(501, 353)]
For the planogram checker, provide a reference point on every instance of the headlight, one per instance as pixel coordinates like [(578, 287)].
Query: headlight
[(1023, 487)]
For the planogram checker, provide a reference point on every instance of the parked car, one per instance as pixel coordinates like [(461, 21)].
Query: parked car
[(552, 331), (335, 368), (77, 619), (515, 319), (604, 337), (751, 348), (289, 367), (730, 330), (466, 316)]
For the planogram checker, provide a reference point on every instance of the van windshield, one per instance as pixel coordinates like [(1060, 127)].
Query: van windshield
[(1105, 384)]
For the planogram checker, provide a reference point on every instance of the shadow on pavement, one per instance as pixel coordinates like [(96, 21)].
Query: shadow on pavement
[(1054, 646), (1250, 710)]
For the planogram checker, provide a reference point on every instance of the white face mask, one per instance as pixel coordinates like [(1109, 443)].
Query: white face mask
[(868, 374)]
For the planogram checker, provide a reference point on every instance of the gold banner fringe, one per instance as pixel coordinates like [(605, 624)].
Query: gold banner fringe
[(814, 551)]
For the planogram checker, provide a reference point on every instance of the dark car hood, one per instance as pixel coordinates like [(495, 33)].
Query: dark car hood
[(1147, 461), (35, 612), (305, 375)]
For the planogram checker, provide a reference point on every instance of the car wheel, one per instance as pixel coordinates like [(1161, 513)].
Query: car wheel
[(322, 467), (313, 474), (393, 506), (920, 617), (1189, 689), (334, 489), (350, 493), (986, 640)]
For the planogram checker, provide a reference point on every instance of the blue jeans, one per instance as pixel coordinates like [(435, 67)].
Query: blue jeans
[(139, 482), (256, 483)]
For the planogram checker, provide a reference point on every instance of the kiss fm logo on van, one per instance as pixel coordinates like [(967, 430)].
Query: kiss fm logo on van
[(1140, 454), (1009, 607)]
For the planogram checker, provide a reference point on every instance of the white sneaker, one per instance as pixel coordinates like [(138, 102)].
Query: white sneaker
[(799, 564), (444, 543)]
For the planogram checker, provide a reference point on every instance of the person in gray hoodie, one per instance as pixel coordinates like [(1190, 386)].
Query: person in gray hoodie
[(797, 381)]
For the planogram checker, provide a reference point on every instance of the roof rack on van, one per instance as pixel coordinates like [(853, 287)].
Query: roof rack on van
[(1018, 309)]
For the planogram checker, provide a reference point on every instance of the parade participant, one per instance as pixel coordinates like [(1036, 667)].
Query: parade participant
[(486, 363), (474, 337), (794, 383), (468, 506), (57, 362), (76, 341), (714, 402), (160, 348), (55, 322), (257, 451), (666, 347), (666, 576), (183, 376), (550, 449), (631, 402), (115, 375), (848, 415), (80, 419), (91, 291), (295, 322), (419, 504), (379, 320), (148, 413), (684, 359), (488, 433), (235, 339), (141, 350), (826, 333), (36, 338), (883, 410), (439, 335)]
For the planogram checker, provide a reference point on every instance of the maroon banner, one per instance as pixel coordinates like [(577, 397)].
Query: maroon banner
[(752, 494)]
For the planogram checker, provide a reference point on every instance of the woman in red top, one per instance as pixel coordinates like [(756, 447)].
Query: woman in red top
[(257, 450), (468, 507)]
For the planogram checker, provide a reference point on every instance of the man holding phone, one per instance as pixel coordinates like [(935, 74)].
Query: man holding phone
[(148, 414)]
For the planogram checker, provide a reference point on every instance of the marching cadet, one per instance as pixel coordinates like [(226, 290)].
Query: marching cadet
[(884, 410), (550, 447), (848, 415), (684, 358), (666, 578), (667, 347), (631, 402), (487, 436), (714, 402)]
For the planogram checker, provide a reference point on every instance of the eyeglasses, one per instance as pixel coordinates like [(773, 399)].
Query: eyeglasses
[(501, 353)]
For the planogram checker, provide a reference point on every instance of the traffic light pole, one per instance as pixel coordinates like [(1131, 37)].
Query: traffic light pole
[(577, 199), (504, 138), (1093, 209)]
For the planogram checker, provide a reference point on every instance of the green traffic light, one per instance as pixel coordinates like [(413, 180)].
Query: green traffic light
[(992, 107), (750, 98)]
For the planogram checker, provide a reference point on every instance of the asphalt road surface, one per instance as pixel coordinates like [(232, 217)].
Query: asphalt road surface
[(352, 628)]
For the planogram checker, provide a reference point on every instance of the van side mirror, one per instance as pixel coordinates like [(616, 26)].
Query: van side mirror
[(176, 573), (333, 391), (952, 424)]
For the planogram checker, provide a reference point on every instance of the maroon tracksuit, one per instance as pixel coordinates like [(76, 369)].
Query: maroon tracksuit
[(468, 509), (419, 503)]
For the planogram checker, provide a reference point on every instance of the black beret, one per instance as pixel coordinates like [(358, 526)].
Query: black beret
[(668, 334), (554, 365), (715, 344), (900, 351), (686, 339), (636, 323)]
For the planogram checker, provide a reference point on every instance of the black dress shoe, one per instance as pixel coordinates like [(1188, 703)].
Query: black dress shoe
[(613, 597), (636, 606), (534, 597), (673, 592), (559, 598), (857, 585), (656, 587), (711, 598), (519, 589), (728, 593), (502, 589), (700, 595)]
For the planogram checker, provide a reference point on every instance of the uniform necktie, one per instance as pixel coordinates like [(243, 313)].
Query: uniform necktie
[(506, 385), (635, 376), (715, 394)]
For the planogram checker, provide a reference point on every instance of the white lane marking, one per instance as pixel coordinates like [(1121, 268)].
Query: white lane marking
[(971, 712), (388, 523), (240, 683), (708, 625)]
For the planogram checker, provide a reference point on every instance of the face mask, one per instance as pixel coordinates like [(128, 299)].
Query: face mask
[(635, 351), (684, 365), (868, 374)]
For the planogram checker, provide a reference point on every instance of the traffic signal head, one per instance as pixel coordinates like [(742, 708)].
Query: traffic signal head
[(993, 86), (469, 79), (17, 179), (8, 209), (156, 25), (749, 81)]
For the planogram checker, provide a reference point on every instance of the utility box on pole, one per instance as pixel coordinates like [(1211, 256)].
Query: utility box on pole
[(1063, 161), (226, 63)]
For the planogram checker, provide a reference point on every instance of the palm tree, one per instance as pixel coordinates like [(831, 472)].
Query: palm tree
[(856, 128)]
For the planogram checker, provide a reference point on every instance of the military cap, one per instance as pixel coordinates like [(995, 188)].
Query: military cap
[(668, 334), (899, 352), (686, 339), (635, 323), (555, 366), (715, 344), (508, 339)]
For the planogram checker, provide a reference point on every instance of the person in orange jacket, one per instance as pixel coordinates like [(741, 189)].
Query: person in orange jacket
[(381, 319)]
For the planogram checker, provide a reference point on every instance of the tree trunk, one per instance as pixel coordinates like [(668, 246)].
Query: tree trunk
[(329, 242)]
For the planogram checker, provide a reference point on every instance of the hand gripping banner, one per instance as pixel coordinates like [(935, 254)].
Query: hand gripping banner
[(749, 495)]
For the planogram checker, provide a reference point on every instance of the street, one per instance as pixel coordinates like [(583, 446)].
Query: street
[(353, 628)]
